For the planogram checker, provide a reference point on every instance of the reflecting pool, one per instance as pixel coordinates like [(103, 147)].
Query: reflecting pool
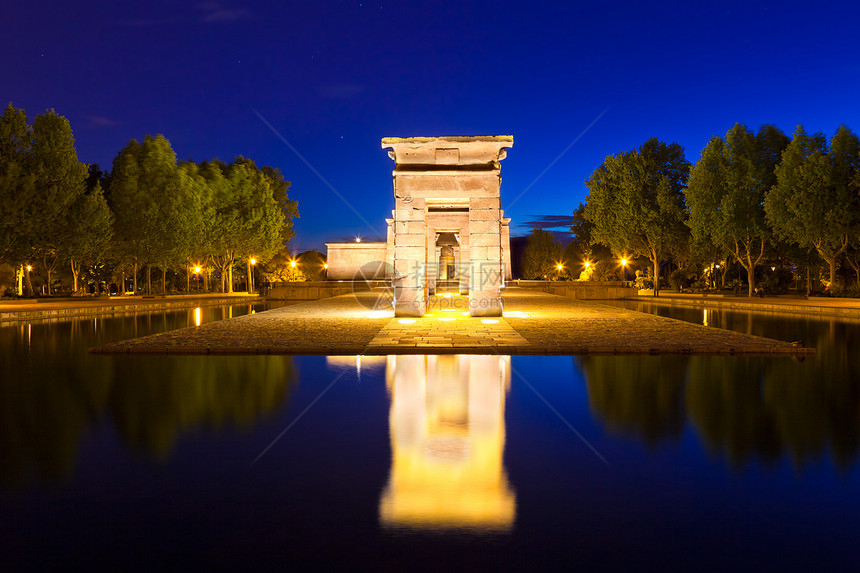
[(420, 462)]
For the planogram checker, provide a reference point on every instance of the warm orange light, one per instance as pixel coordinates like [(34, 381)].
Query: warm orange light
[(623, 262), (29, 268), (196, 270), (325, 265), (358, 239), (559, 266), (587, 264), (253, 261), (293, 264)]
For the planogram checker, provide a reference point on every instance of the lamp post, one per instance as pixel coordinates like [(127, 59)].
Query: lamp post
[(559, 267), (197, 275), (252, 262), (624, 270)]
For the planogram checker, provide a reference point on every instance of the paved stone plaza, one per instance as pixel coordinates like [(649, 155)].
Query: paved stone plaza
[(533, 323)]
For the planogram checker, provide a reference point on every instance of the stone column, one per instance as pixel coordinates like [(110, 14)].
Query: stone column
[(506, 245), (410, 251), (485, 256)]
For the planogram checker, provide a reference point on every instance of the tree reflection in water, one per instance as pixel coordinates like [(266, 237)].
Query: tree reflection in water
[(53, 394), (743, 408), (447, 439)]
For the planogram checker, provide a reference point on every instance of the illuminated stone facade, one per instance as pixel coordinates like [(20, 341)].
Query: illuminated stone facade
[(448, 232)]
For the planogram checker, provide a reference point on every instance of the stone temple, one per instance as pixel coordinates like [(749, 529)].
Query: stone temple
[(448, 234)]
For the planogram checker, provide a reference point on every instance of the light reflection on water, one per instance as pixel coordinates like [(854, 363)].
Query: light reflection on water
[(447, 427)]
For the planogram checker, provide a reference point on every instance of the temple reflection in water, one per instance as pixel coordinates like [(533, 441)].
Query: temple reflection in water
[(447, 424)]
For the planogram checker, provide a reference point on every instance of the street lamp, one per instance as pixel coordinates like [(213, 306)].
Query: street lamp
[(623, 269), (253, 262), (197, 270)]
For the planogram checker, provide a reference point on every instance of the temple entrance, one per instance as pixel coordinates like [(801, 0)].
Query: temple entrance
[(447, 275), (448, 234)]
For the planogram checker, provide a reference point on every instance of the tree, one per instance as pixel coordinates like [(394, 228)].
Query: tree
[(289, 208), (17, 185), (60, 181), (158, 213), (40, 179), (582, 255), (542, 254), (249, 221), (312, 264), (283, 267), (88, 232), (635, 202), (814, 202), (726, 190)]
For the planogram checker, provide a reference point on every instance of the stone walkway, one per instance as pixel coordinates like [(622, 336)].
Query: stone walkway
[(533, 323)]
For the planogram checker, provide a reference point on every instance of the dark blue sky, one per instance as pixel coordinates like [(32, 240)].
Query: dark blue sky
[(334, 77)]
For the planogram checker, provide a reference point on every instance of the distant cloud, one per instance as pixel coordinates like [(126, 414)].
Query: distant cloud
[(340, 91), (101, 121), (214, 13), (549, 222)]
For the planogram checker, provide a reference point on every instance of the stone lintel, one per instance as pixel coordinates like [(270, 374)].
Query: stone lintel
[(448, 150)]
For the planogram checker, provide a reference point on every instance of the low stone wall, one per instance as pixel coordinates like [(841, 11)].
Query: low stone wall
[(317, 290), (581, 290), (66, 309)]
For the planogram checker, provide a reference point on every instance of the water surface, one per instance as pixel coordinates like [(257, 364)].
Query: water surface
[(177, 462)]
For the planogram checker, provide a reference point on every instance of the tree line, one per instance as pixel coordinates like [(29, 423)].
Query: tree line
[(149, 213), (751, 196)]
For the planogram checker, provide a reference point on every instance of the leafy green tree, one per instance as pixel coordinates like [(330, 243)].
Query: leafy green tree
[(158, 211), (726, 190), (41, 179), (249, 221), (635, 202), (289, 208), (583, 256), (814, 201), (17, 185), (542, 254), (60, 183), (197, 247), (312, 264), (88, 232), (283, 267)]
